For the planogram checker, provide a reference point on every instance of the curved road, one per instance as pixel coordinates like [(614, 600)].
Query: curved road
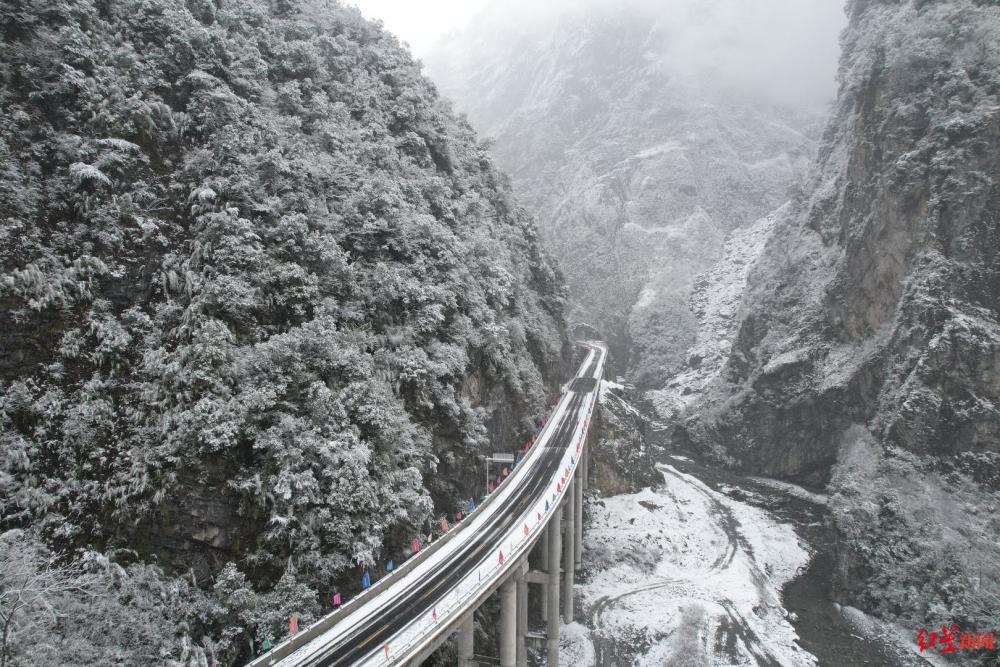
[(397, 610)]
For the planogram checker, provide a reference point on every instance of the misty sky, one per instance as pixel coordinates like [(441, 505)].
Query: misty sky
[(420, 22), (783, 50)]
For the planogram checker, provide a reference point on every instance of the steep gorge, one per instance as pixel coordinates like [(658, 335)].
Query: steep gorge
[(865, 349), (636, 159)]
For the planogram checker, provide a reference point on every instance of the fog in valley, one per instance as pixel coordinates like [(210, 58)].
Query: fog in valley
[(532, 332)]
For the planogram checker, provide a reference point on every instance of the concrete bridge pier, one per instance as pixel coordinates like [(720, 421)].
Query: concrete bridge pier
[(552, 620), (522, 614), (578, 519), (467, 641), (545, 586), (569, 557), (508, 622)]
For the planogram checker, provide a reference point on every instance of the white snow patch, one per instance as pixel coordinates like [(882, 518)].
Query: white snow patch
[(660, 149), (670, 231), (575, 645), (646, 297), (789, 358), (794, 490), (693, 571), (606, 387)]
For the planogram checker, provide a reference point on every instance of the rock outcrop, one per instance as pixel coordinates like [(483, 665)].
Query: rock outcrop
[(866, 346), (876, 300)]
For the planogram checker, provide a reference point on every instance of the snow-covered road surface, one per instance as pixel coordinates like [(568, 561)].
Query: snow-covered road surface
[(683, 575)]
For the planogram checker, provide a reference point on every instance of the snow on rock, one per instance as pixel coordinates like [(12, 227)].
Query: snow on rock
[(659, 150), (609, 386), (715, 303), (646, 297), (896, 638), (575, 645), (794, 490), (681, 571)]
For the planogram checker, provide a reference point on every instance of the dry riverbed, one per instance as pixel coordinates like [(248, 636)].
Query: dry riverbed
[(711, 569)]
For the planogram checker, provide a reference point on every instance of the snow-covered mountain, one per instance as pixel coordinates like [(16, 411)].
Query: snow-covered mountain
[(864, 350), (636, 161), (263, 302)]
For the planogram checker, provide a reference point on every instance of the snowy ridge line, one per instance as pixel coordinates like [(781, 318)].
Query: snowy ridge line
[(308, 646)]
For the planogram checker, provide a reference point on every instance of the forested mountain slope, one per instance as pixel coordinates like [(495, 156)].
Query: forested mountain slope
[(264, 300), (636, 157), (867, 343)]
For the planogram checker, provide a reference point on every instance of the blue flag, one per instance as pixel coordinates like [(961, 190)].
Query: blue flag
[(389, 565), (472, 504), (546, 506), (517, 458), (366, 581)]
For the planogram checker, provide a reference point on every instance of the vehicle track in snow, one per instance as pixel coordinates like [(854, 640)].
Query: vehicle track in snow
[(702, 624)]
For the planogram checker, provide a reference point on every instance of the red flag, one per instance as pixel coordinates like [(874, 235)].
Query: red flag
[(526, 529), (539, 517), (458, 517), (491, 487), (415, 545), (293, 624), (336, 599), (558, 487), (501, 557), (386, 648)]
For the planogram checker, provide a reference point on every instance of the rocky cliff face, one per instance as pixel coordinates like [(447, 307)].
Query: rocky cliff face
[(636, 166), (867, 341), (876, 300), (622, 458)]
